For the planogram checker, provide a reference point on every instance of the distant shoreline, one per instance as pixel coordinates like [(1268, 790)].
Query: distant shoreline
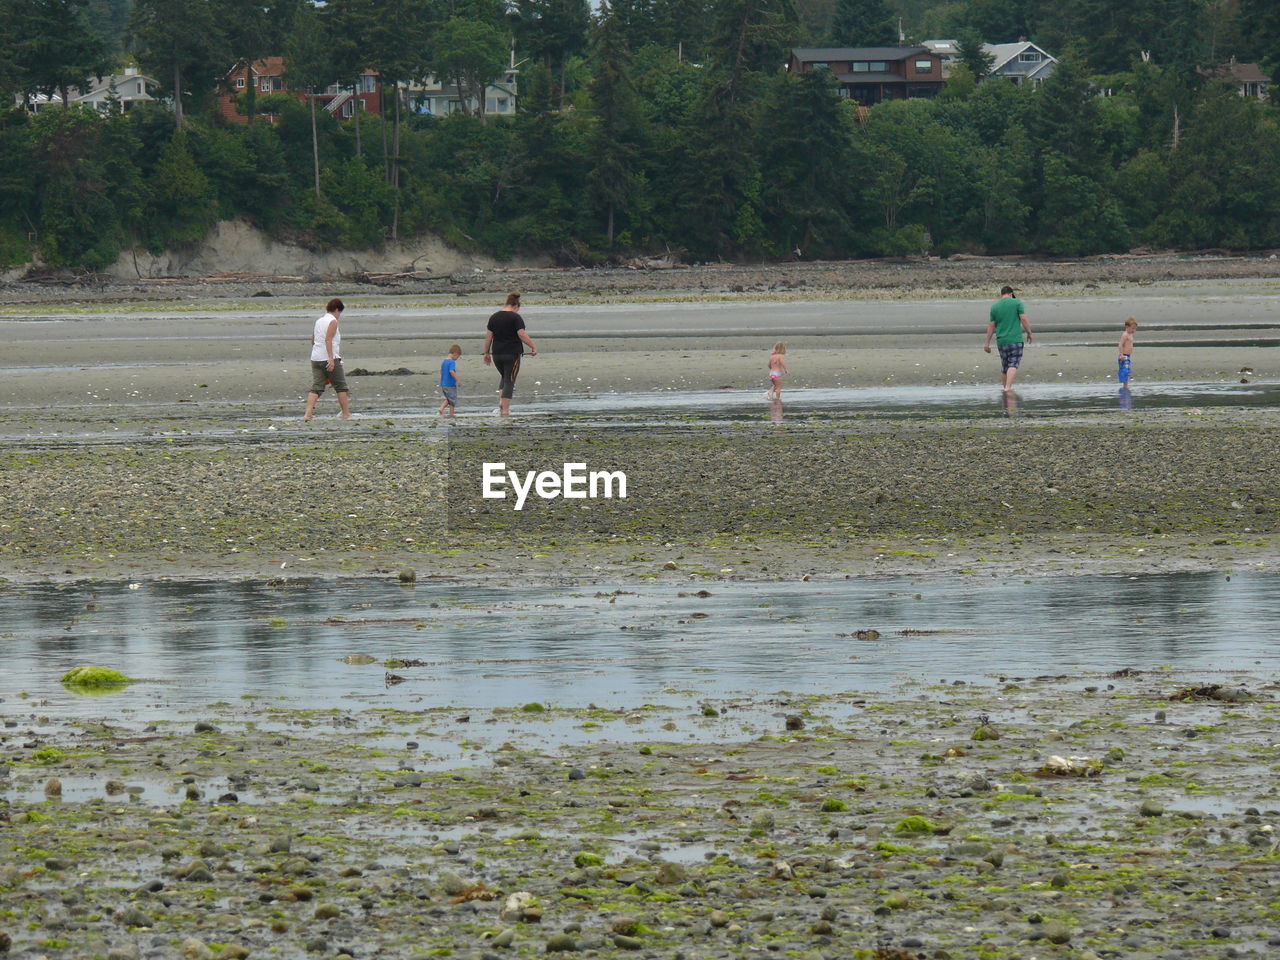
[(820, 279)]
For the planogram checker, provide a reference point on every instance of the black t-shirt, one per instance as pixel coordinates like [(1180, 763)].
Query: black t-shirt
[(505, 325)]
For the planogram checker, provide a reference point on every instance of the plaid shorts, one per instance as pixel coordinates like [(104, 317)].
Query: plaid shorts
[(1010, 355)]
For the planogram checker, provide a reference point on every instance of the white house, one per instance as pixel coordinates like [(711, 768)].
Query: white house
[(119, 92), (440, 98)]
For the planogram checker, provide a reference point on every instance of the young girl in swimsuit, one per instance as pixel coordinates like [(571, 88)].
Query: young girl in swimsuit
[(777, 367)]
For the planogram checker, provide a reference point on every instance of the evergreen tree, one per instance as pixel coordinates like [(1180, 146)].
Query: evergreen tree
[(553, 31), (56, 48), (1078, 212), (181, 43), (684, 27), (253, 30), (864, 23), (1261, 23), (804, 139), (970, 52), (109, 19), (616, 135), (308, 67), (472, 53)]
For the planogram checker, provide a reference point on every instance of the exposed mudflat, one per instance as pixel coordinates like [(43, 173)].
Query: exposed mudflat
[(153, 431), (1129, 815)]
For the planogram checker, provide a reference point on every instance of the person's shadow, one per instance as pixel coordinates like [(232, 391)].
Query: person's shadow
[(1009, 401)]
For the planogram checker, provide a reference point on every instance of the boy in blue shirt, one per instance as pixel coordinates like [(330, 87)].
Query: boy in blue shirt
[(449, 381)]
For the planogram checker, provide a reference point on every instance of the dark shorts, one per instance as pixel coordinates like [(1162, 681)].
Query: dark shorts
[(320, 376), (450, 394), (508, 365), (1125, 368), (1010, 355)]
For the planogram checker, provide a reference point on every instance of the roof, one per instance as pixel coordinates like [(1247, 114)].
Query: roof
[(1241, 72), (102, 85), (1004, 52), (943, 48), (268, 66), (810, 54)]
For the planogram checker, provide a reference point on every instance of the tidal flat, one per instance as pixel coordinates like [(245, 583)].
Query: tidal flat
[(946, 807), (1126, 814)]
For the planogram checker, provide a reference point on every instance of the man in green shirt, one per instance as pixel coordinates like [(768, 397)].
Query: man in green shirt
[(1008, 323)]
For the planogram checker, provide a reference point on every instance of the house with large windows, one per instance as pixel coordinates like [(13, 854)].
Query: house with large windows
[(439, 98), (1021, 62), (117, 93), (870, 75), (268, 76)]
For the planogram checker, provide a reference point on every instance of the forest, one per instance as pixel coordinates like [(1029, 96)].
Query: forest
[(643, 126)]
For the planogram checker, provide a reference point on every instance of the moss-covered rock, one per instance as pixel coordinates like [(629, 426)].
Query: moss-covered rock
[(91, 676)]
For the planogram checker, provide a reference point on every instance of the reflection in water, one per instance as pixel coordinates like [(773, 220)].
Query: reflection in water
[(951, 400), (1009, 401), (775, 410), (487, 646), (1126, 399)]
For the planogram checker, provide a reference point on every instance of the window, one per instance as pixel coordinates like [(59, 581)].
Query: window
[(502, 103), (816, 65), (879, 66), (140, 91), (264, 84), (239, 83), (924, 66), (1029, 56), (861, 66)]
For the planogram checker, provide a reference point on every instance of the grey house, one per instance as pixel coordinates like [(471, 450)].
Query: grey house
[(1021, 62)]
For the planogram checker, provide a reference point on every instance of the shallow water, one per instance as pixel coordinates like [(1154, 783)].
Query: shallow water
[(199, 643), (959, 400)]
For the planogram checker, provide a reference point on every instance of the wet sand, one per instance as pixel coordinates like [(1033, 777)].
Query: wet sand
[(214, 359)]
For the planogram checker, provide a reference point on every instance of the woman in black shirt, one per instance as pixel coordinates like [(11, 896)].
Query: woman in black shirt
[(503, 347)]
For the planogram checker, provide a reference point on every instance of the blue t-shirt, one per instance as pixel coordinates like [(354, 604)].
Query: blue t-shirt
[(447, 368)]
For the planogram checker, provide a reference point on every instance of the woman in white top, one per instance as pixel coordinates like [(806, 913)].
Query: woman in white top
[(326, 360)]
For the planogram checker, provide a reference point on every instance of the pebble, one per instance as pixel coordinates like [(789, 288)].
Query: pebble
[(560, 943), (504, 938), (134, 917), (1151, 808), (193, 949), (452, 884), (1055, 931)]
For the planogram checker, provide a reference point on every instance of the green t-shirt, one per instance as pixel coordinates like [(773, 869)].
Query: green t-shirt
[(1004, 314)]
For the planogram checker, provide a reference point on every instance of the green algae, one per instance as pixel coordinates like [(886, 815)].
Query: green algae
[(87, 677)]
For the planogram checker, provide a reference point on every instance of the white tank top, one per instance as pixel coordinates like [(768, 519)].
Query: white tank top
[(321, 330)]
